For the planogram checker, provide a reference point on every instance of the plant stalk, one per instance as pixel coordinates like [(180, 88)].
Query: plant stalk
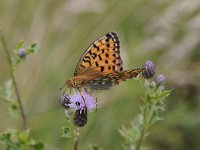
[(76, 139), (3, 41), (144, 127)]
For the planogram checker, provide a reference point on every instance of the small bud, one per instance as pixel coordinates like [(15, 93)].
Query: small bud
[(21, 53), (80, 117), (153, 84), (160, 80), (149, 69), (161, 88)]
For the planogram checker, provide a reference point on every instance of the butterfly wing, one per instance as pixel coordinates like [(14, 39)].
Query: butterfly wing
[(114, 78), (102, 57)]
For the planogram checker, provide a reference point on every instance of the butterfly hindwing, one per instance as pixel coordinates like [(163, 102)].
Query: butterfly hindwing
[(112, 79), (102, 56)]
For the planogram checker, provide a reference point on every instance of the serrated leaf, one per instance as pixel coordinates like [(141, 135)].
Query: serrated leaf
[(20, 44), (94, 147), (66, 132), (24, 136)]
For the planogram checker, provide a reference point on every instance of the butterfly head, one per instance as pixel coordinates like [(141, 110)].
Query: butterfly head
[(70, 83)]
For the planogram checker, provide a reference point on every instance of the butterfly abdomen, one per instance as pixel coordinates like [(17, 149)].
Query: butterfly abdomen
[(100, 83)]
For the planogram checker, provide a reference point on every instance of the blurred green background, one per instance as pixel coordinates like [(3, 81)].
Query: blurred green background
[(166, 32)]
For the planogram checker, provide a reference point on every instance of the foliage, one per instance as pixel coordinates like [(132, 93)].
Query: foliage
[(16, 139), (19, 140), (153, 103)]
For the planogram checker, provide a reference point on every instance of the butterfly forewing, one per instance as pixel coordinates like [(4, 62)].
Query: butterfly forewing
[(102, 56)]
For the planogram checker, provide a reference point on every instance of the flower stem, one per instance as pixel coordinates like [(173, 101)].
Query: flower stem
[(25, 124), (76, 139), (144, 127)]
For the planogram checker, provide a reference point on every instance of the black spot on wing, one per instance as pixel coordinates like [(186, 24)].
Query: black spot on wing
[(87, 61), (95, 46), (100, 58), (102, 68), (96, 63), (113, 67)]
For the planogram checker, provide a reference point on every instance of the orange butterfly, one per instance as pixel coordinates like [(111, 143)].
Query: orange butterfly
[(100, 66)]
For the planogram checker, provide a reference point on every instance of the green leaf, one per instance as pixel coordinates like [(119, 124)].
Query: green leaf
[(36, 145), (20, 44), (24, 137), (14, 109), (32, 48), (66, 132), (94, 147)]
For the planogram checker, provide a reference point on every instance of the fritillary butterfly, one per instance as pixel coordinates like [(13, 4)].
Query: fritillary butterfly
[(100, 66)]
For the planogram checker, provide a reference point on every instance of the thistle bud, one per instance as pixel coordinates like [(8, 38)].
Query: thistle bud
[(149, 69), (80, 117)]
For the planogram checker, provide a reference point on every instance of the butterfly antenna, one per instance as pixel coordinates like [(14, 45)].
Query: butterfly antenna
[(63, 86)]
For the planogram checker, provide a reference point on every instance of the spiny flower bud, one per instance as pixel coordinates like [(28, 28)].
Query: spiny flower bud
[(149, 69), (80, 117), (21, 53), (160, 79)]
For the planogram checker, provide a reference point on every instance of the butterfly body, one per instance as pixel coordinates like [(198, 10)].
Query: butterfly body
[(101, 67)]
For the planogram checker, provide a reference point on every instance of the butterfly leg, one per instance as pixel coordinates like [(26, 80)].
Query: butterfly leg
[(82, 97), (96, 105), (63, 86)]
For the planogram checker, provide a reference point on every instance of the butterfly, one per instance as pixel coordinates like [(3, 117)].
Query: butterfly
[(101, 66)]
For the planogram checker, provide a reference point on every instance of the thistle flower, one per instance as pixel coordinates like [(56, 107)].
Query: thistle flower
[(149, 69), (21, 53), (78, 101)]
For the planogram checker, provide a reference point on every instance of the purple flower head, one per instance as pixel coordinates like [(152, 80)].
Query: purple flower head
[(160, 79), (81, 101), (64, 100), (21, 53), (149, 69)]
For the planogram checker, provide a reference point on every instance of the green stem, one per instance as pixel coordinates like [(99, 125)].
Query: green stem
[(25, 124), (129, 147), (144, 127), (76, 139)]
